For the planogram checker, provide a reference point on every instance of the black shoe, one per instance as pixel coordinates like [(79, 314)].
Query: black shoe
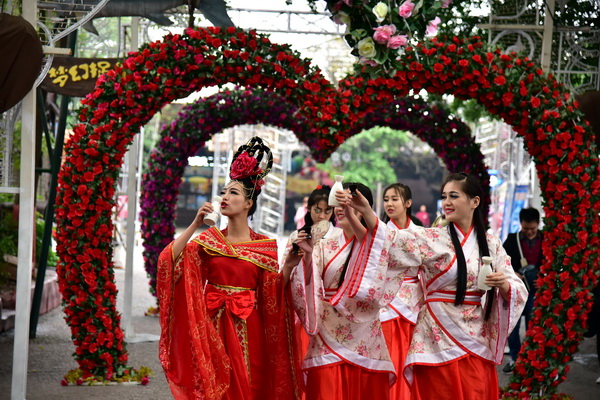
[(508, 368)]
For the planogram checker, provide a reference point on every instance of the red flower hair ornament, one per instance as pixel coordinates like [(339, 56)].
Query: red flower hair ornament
[(246, 164)]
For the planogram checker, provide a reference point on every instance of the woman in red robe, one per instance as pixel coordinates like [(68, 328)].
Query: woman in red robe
[(225, 327)]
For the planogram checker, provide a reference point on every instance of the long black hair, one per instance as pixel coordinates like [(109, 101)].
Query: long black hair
[(403, 191), (472, 188), (318, 195)]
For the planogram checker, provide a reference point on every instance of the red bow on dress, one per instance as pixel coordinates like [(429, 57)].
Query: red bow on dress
[(240, 303)]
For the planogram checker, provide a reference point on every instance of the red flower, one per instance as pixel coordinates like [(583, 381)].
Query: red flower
[(535, 102), (243, 167), (500, 80)]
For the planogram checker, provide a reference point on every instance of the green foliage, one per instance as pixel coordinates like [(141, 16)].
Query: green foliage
[(364, 157), (9, 235), (469, 111), (40, 223)]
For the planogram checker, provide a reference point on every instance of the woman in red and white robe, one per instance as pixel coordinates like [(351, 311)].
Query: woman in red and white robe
[(347, 357), (461, 331), (399, 317)]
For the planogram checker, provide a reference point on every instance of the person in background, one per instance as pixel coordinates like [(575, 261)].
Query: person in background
[(399, 317), (423, 215), (525, 251), (460, 334), (318, 211), (301, 212), (226, 331)]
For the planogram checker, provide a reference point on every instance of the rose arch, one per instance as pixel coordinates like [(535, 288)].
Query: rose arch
[(450, 138), (535, 105)]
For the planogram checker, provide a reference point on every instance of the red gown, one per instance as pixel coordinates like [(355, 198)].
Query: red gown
[(225, 327)]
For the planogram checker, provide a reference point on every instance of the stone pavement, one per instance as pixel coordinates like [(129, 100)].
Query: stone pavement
[(50, 358)]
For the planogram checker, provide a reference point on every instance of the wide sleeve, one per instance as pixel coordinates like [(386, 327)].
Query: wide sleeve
[(190, 350), (307, 297), (278, 319), (376, 273), (288, 248), (505, 312)]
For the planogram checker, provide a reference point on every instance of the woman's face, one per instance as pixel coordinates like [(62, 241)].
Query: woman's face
[(457, 206), (394, 205), (234, 202), (321, 211), (342, 221)]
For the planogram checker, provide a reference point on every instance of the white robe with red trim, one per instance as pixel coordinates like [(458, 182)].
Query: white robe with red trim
[(409, 298), (445, 332), (350, 331)]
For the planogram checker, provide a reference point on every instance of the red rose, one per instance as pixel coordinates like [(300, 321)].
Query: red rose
[(535, 102), (243, 166), (500, 80)]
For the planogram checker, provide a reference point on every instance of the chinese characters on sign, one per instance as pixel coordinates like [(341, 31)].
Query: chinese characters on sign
[(76, 76)]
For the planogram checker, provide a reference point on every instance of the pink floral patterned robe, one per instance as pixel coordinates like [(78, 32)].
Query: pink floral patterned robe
[(341, 329), (445, 332)]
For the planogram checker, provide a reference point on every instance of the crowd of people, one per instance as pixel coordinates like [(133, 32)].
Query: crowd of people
[(357, 307)]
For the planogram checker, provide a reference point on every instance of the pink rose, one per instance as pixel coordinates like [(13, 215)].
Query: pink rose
[(397, 41), (366, 61), (446, 3), (432, 27), (383, 33), (243, 166), (406, 9)]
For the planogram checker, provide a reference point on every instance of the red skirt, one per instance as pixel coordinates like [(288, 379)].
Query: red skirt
[(469, 378), (398, 334), (346, 382)]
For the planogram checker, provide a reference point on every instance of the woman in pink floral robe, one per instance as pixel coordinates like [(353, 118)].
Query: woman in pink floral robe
[(461, 330), (399, 317), (347, 357)]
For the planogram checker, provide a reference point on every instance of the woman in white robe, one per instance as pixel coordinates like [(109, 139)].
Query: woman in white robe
[(461, 330), (399, 317), (347, 357)]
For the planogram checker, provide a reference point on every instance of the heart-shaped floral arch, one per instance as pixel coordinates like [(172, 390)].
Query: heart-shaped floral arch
[(539, 109), (450, 138)]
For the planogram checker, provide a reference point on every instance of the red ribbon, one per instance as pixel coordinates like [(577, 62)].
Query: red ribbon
[(240, 303)]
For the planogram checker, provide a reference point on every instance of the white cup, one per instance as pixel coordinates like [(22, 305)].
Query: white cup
[(212, 218)]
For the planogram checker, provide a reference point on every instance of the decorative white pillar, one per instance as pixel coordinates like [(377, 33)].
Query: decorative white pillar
[(26, 221)]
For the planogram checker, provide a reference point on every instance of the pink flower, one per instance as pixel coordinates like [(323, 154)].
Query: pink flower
[(383, 33), (432, 27), (366, 61), (446, 3), (406, 9), (397, 41)]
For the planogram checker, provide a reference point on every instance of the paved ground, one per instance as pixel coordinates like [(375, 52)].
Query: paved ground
[(50, 358)]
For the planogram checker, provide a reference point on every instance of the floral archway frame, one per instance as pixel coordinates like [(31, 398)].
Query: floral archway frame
[(539, 109), (450, 138)]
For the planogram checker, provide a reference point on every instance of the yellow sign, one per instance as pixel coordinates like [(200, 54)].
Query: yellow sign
[(301, 186)]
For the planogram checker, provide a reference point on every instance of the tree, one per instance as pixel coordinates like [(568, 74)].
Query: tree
[(382, 154)]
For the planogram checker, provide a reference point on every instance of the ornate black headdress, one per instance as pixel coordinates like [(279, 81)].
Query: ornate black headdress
[(245, 167)]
